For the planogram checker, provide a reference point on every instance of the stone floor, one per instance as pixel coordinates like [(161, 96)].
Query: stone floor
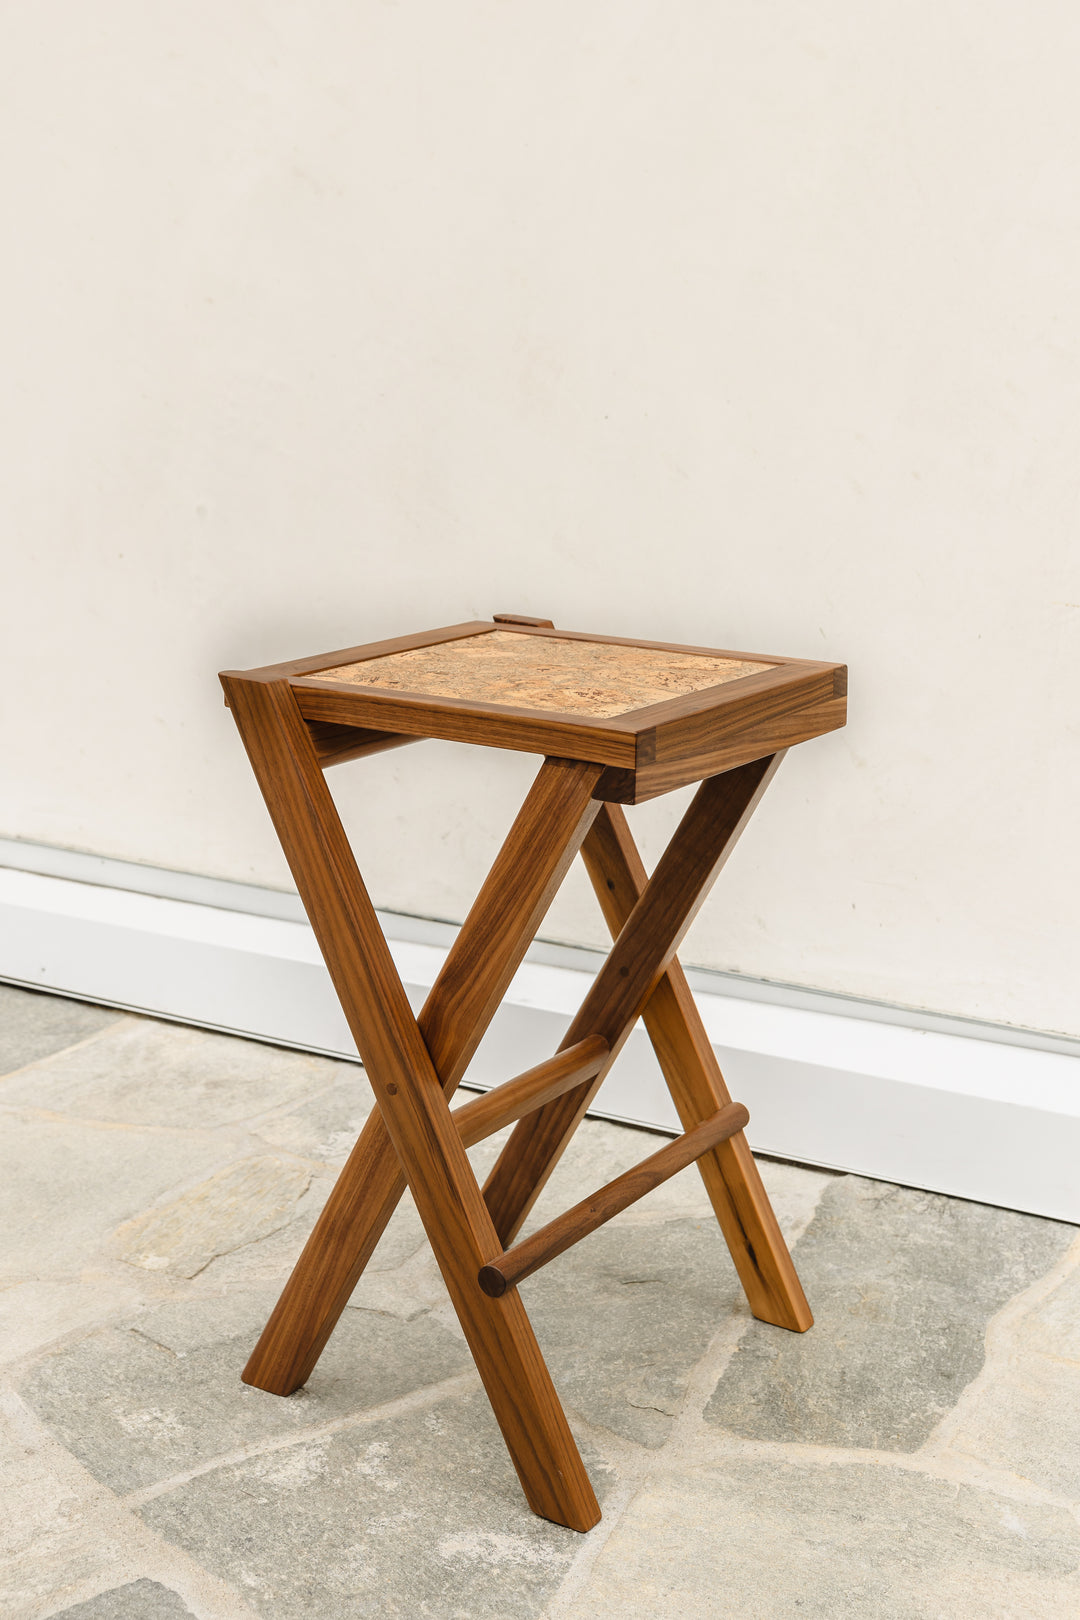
[(917, 1454)]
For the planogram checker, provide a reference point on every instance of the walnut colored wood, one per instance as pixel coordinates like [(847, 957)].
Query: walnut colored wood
[(298, 718), (411, 1101), (685, 1054), (706, 733), (567, 1229), (486, 954), (639, 958), (484, 1115), (370, 649), (650, 749), (608, 742), (768, 736), (334, 744)]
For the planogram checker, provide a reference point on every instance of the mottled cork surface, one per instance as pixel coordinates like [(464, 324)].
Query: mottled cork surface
[(593, 678)]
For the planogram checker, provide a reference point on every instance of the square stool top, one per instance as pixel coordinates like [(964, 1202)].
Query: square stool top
[(659, 715)]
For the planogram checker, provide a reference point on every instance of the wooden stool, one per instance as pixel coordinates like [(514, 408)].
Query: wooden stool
[(617, 722)]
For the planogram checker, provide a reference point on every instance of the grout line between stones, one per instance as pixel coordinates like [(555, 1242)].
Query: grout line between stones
[(236, 1135), (53, 1116), (639, 1469), (248, 1123), (685, 1430), (687, 1439), (127, 1548), (415, 1401), (577, 1576), (955, 1471), (999, 1341), (267, 1116), (933, 1460), (65, 1051)]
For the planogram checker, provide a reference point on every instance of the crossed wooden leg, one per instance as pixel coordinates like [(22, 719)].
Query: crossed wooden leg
[(485, 956), (686, 1056), (638, 961), (415, 1065), (409, 1091)]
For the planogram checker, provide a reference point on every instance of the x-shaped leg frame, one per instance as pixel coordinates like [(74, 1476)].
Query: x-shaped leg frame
[(415, 1065)]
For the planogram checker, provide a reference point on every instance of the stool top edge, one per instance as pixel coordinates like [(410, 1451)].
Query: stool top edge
[(514, 719)]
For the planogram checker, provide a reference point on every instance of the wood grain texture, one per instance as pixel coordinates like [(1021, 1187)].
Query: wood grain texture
[(334, 745), (669, 646), (512, 903), (292, 724), (674, 727), (639, 958), (484, 1115), (488, 950), (765, 735), (608, 742), (411, 1101), (689, 1064), (649, 749), (592, 1212)]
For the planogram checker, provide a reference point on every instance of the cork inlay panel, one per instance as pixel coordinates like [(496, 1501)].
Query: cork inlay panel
[(593, 678)]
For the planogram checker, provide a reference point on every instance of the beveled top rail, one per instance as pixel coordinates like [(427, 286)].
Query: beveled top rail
[(657, 714)]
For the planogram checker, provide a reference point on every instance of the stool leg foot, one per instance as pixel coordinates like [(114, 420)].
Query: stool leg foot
[(502, 1341), (342, 1242), (689, 1064)]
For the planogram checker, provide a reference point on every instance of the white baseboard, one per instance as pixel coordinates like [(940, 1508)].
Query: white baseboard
[(975, 1110)]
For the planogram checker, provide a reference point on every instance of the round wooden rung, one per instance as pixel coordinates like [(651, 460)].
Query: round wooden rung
[(566, 1230)]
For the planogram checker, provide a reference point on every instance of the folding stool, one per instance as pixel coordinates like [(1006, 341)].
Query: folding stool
[(617, 722)]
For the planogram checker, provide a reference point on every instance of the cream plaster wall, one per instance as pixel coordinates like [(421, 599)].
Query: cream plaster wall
[(753, 325)]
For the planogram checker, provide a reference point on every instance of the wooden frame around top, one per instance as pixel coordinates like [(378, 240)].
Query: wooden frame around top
[(648, 751)]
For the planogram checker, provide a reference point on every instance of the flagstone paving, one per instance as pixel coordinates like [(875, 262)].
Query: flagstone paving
[(916, 1454)]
